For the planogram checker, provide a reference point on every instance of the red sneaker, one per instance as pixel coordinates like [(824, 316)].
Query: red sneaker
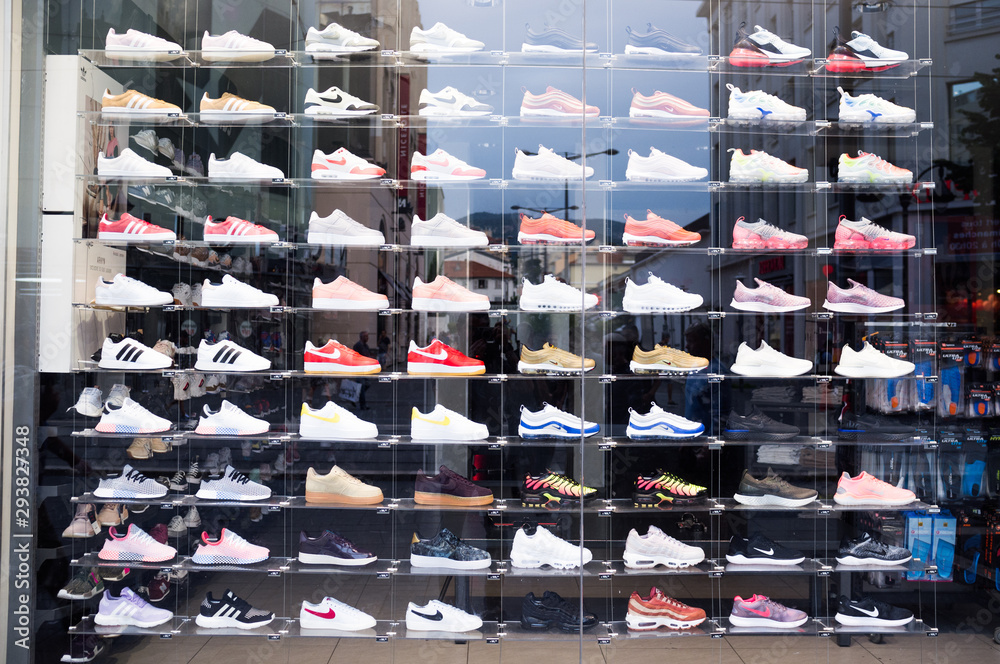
[(132, 229), (335, 357), (437, 359), (236, 230)]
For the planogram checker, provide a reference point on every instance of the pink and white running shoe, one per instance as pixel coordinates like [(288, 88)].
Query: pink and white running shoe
[(762, 235), (865, 234), (136, 545), (554, 103), (859, 299), (237, 231), (439, 165), (132, 229), (766, 298), (867, 489), (229, 549), (341, 164), (665, 106)]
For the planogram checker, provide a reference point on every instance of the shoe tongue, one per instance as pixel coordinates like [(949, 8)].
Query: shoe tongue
[(228, 279), (127, 593), (653, 530), (229, 594), (653, 408), (653, 152), (855, 284), (544, 150), (772, 475), (229, 407), (552, 89)]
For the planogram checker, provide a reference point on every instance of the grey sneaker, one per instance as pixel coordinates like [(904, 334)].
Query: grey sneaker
[(89, 404), (760, 611), (117, 395), (84, 585), (176, 527), (772, 490), (130, 484)]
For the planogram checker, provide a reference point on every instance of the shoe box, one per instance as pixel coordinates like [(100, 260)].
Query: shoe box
[(943, 541), (919, 539)]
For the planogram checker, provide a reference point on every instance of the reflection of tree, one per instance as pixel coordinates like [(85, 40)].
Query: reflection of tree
[(982, 129)]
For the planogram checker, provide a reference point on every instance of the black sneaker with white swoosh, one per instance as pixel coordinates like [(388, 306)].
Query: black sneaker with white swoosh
[(759, 549), (870, 612)]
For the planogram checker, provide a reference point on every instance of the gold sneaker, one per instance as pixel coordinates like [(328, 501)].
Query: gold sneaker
[(139, 449), (550, 359), (132, 102), (112, 514), (231, 107), (339, 486), (158, 446), (663, 359)]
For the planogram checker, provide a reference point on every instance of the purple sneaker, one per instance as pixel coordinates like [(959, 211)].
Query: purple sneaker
[(859, 299), (759, 611), (766, 297), (449, 488), (331, 549), (129, 609)]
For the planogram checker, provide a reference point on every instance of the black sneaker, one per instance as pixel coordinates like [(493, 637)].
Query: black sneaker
[(662, 489), (84, 648), (446, 551), (231, 611), (871, 427), (756, 426), (772, 490), (866, 549), (870, 612), (761, 550), (553, 611)]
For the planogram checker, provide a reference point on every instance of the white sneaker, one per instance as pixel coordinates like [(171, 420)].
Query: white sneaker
[(334, 422), (181, 294), (766, 361), (874, 55), (135, 545), (543, 548), (869, 109), (657, 548), (758, 106), (439, 38), (339, 229), (233, 293), (870, 363), (342, 165), (129, 165), (449, 102), (336, 103), (443, 231), (436, 616), (444, 424), (130, 417), (333, 614), (126, 291), (130, 484), (241, 167), (89, 404), (234, 47), (554, 295), (335, 38), (439, 165), (227, 356), (661, 167), (547, 165), (776, 49), (550, 422), (135, 45), (232, 485), (229, 420), (657, 296), (658, 423), (131, 355), (759, 166)]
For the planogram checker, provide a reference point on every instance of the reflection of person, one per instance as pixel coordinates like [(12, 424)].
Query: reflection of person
[(383, 347), (698, 402), (361, 347)]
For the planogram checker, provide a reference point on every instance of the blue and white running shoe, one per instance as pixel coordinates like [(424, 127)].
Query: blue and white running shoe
[(550, 422), (658, 423)]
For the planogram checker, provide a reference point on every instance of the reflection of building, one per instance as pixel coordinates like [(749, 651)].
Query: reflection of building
[(482, 273)]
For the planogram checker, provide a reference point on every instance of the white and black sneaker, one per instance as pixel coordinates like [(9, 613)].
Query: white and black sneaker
[(130, 484), (120, 352), (761, 550), (449, 102), (232, 485), (866, 549), (226, 356), (870, 612), (231, 611), (334, 102)]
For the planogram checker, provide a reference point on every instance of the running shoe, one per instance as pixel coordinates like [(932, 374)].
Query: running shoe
[(661, 167), (439, 165), (554, 40), (766, 361), (657, 42), (657, 548), (334, 422), (443, 295), (342, 294), (441, 423), (657, 610), (552, 610), (762, 235), (550, 422), (861, 53), (551, 360), (231, 485), (446, 551), (333, 614), (84, 585), (554, 103), (766, 298), (772, 490), (549, 229), (120, 352), (859, 299), (132, 103), (234, 47), (337, 228), (658, 424), (870, 363), (231, 293), (449, 102), (760, 611), (335, 103), (547, 165), (439, 359), (868, 490), (667, 107), (655, 231), (867, 109), (657, 296), (551, 489), (868, 168), (237, 231), (760, 167), (239, 167), (342, 165), (867, 235), (756, 106), (339, 486), (764, 49), (89, 403), (228, 549), (554, 295), (132, 229), (129, 166), (134, 546), (132, 418), (84, 524), (332, 549), (662, 488), (867, 549), (230, 107), (129, 609), (130, 484), (335, 357), (759, 549), (755, 425), (229, 420), (664, 359), (534, 546), (449, 488), (230, 611), (439, 38), (126, 291), (225, 356), (136, 45), (865, 427), (436, 616), (870, 612), (336, 39), (443, 231)]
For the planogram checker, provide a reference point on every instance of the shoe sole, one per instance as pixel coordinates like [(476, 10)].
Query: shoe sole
[(548, 306), (212, 494), (426, 176), (636, 367), (222, 238), (875, 562), (427, 498), (869, 502), (236, 116), (857, 621), (740, 559), (654, 241), (212, 622), (127, 495), (333, 304), (526, 368), (634, 434), (136, 237), (321, 112), (637, 623), (550, 430), (530, 624), (108, 174), (320, 559), (768, 179), (747, 434), (852, 308), (323, 498), (535, 563), (447, 306), (430, 369), (341, 240), (763, 307), (126, 621), (869, 372), (769, 119), (447, 563), (636, 561), (663, 499), (653, 176), (659, 308), (545, 238), (453, 243), (522, 174), (653, 50), (764, 371), (740, 621), (331, 368), (872, 436), (209, 55), (308, 433), (744, 499), (333, 175), (549, 48)]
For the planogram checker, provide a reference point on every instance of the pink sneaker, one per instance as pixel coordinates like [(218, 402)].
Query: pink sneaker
[(443, 294), (132, 229), (229, 549), (762, 235), (867, 489), (859, 299), (342, 294), (766, 297), (863, 234), (439, 165), (554, 103), (135, 545), (235, 230), (665, 106)]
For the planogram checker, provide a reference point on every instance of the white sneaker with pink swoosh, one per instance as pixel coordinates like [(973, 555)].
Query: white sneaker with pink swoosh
[(439, 165)]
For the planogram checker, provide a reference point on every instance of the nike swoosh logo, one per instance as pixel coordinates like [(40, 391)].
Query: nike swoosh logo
[(335, 355), (448, 100), (769, 552), (338, 162), (874, 114), (763, 112), (335, 100), (436, 162), (766, 613), (329, 614), (873, 613), (331, 420), (440, 355), (445, 422), (433, 616)]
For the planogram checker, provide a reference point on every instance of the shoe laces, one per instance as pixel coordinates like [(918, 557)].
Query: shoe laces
[(135, 476), (238, 477), (142, 537), (874, 230)]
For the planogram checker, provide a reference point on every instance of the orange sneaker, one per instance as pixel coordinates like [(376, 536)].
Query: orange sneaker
[(548, 229), (658, 610), (443, 294), (342, 294), (132, 102), (656, 231)]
